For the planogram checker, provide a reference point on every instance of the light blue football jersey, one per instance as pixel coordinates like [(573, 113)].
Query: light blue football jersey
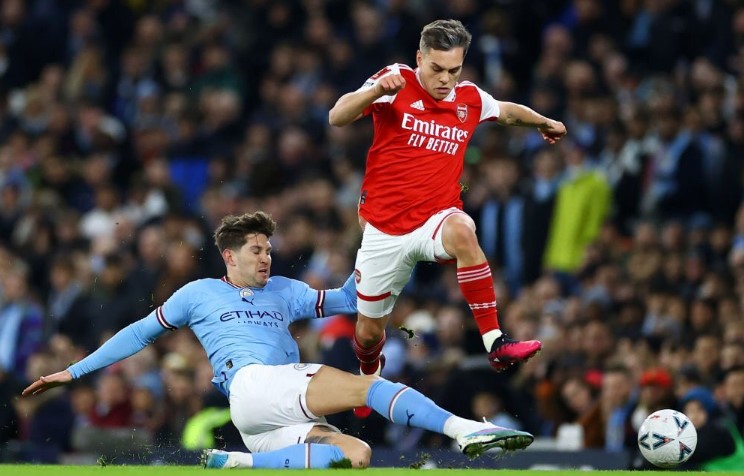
[(236, 326)]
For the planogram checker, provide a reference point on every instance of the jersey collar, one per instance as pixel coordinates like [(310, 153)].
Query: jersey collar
[(227, 281), (224, 279), (449, 98)]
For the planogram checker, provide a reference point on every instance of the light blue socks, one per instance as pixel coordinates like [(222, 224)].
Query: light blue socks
[(307, 455), (405, 406)]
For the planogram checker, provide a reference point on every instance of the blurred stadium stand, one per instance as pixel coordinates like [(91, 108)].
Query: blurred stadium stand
[(128, 128)]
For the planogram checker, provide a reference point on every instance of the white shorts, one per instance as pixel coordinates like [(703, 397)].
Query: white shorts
[(384, 263), (268, 407)]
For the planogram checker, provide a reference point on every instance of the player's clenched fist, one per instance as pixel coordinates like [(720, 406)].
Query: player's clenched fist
[(390, 84)]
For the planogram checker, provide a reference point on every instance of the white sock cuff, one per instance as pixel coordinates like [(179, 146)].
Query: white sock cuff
[(239, 459), (456, 425), (490, 337)]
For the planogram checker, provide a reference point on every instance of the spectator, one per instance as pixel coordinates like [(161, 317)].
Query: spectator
[(674, 187), (21, 322), (581, 398), (616, 404), (9, 421), (719, 447), (500, 219), (108, 427), (656, 393), (582, 204), (733, 396), (490, 407), (65, 298), (49, 420)]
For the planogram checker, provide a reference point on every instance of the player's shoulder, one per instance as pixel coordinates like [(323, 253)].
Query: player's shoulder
[(469, 92), (193, 292), (467, 87), (199, 285), (394, 68)]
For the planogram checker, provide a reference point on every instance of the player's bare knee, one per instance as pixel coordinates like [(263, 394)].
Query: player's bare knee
[(359, 453), (459, 234), (369, 331)]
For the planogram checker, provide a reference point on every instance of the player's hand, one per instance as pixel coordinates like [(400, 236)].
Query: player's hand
[(47, 382), (390, 84), (553, 131)]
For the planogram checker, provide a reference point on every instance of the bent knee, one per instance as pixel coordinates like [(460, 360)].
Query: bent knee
[(369, 331), (357, 451), (359, 454), (461, 229), (459, 234)]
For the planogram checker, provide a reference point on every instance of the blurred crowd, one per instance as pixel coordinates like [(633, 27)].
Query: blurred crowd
[(128, 128)]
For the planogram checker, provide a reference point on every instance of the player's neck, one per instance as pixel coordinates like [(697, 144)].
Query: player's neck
[(236, 282), (242, 283)]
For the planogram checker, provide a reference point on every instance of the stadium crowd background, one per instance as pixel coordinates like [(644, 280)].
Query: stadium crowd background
[(129, 128)]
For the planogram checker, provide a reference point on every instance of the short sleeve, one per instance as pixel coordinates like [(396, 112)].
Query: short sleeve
[(306, 302), (490, 109), (373, 80)]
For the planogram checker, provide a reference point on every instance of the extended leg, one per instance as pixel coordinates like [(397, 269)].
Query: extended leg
[(332, 391), (476, 284), (322, 448)]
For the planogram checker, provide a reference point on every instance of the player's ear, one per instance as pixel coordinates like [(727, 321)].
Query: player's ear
[(228, 257), (419, 58)]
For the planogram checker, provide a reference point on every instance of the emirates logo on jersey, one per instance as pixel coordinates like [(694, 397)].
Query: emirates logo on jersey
[(462, 112)]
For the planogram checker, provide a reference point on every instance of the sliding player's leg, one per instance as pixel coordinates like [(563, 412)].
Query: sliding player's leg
[(332, 391)]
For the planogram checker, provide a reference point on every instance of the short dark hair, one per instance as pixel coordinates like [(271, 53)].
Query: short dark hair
[(445, 35), (233, 230)]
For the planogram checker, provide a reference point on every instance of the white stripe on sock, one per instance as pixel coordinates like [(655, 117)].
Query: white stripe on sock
[(395, 400)]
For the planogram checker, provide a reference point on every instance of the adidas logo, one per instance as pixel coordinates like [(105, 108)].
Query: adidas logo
[(418, 105)]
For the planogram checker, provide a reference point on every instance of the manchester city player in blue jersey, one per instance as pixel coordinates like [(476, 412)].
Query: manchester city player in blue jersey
[(277, 403)]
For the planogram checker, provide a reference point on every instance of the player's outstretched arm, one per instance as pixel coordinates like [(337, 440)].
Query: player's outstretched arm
[(351, 106), (512, 114), (341, 300), (45, 383), (124, 343)]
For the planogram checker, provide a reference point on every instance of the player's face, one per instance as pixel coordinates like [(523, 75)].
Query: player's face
[(253, 261), (439, 70)]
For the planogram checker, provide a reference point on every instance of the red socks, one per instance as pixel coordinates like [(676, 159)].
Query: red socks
[(476, 285), (369, 357)]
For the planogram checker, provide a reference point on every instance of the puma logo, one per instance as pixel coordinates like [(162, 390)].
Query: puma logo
[(249, 302), (409, 415)]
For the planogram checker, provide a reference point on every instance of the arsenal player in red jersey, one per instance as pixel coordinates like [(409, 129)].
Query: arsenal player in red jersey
[(410, 207)]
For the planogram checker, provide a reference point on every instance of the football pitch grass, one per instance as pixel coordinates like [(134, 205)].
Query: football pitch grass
[(114, 470)]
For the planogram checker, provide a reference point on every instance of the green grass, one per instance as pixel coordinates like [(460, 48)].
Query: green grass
[(113, 470)]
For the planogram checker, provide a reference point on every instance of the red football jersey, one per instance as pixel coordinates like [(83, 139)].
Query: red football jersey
[(414, 165)]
